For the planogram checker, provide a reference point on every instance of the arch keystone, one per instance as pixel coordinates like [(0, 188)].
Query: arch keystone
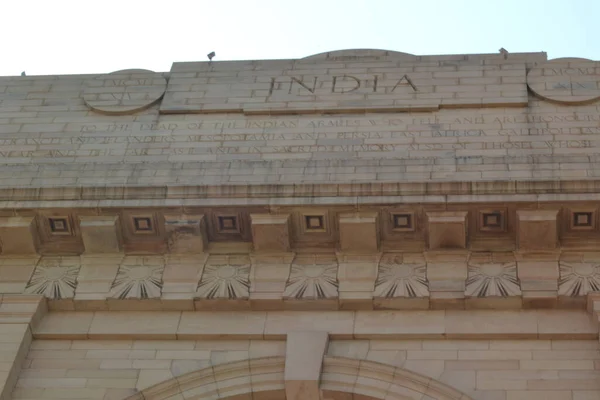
[(303, 361)]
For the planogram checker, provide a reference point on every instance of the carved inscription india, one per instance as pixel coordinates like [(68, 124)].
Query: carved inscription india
[(339, 84)]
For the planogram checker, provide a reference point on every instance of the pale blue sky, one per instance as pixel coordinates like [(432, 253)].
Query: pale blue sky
[(67, 37)]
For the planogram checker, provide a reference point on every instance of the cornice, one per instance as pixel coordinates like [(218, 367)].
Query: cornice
[(275, 325), (444, 192)]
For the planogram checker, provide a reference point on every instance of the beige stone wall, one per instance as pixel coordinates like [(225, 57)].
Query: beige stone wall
[(351, 180), (86, 369), (493, 370), (396, 118), (447, 145), (483, 369)]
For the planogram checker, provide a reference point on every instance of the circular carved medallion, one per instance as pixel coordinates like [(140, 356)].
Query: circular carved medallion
[(124, 92), (566, 80)]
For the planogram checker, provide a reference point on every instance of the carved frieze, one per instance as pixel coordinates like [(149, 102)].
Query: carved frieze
[(55, 277), (578, 279), (170, 230), (324, 280), (396, 278), (225, 277), (138, 278), (312, 277), (492, 280)]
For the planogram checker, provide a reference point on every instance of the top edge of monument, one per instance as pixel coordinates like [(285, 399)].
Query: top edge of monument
[(358, 55), (362, 56), (75, 77)]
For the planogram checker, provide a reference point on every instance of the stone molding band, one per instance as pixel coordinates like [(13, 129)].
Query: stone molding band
[(444, 192), (275, 325), (306, 281)]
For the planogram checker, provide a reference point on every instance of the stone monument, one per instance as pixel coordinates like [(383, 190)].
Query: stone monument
[(358, 224)]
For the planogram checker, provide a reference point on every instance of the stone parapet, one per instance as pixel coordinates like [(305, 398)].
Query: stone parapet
[(356, 118)]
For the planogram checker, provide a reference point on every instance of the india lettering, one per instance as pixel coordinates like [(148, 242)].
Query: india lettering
[(339, 84)]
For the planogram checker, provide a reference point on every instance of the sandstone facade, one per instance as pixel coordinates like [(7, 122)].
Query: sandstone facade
[(360, 224)]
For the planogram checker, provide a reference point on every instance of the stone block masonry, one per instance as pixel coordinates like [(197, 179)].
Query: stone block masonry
[(481, 369), (358, 224), (431, 115)]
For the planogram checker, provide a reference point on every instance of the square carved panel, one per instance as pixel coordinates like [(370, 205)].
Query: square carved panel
[(492, 220), (143, 225), (143, 232), (314, 223), (58, 234), (582, 220), (60, 225), (229, 225), (402, 228), (403, 221), (313, 228)]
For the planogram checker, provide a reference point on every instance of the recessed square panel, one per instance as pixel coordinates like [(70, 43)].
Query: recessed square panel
[(228, 224), (403, 221), (59, 225), (583, 220), (143, 225), (314, 227), (314, 223), (58, 234), (492, 221)]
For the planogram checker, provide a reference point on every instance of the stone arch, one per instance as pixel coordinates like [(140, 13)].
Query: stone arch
[(263, 378), (380, 381), (258, 375)]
